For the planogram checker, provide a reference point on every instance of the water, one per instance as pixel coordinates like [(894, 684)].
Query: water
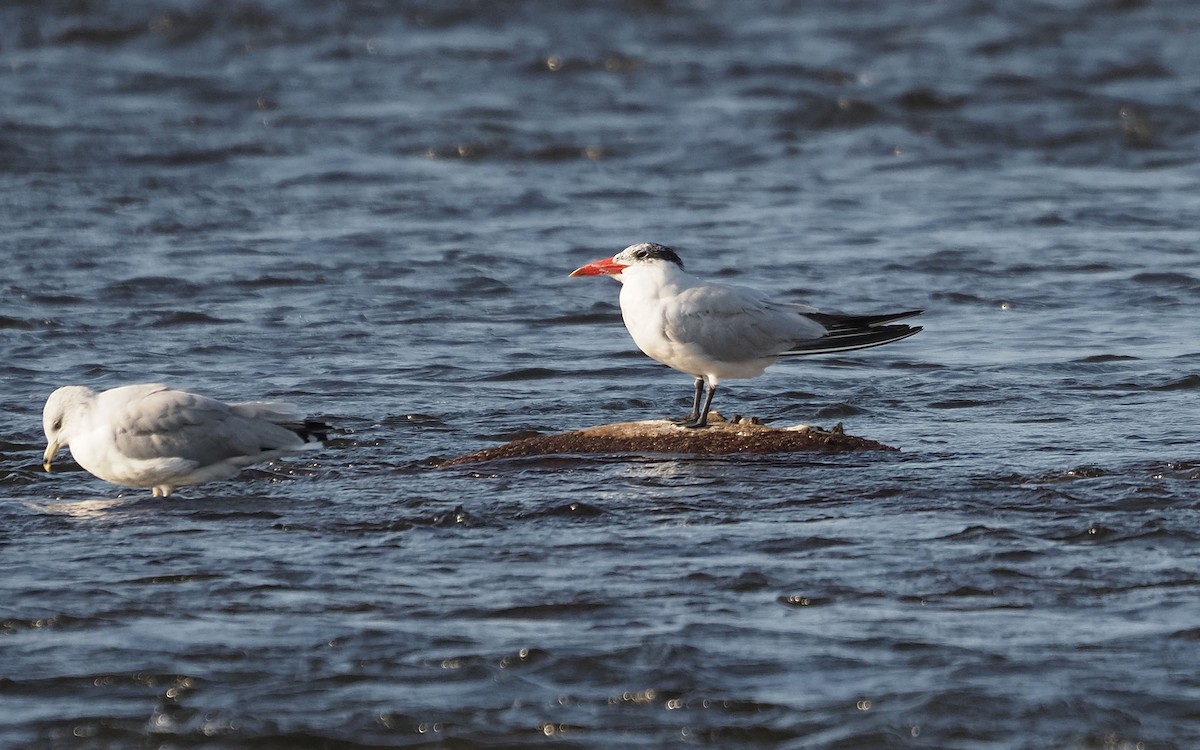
[(370, 209)]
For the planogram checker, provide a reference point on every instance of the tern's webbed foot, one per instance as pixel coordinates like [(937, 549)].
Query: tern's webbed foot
[(693, 425)]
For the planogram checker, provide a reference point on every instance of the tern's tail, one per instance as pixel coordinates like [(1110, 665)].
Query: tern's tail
[(846, 332)]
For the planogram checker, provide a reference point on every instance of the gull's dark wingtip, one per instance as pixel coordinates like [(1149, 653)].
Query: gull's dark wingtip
[(313, 430)]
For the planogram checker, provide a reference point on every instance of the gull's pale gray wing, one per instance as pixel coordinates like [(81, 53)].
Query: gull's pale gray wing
[(175, 424), (272, 411), (733, 324)]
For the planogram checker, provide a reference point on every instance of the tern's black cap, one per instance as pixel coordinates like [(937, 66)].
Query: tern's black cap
[(652, 251)]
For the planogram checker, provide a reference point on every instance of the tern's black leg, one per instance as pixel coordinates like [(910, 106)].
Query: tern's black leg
[(703, 420), (695, 415)]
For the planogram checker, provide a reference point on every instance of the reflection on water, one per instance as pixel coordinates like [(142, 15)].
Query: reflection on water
[(370, 209), (93, 509)]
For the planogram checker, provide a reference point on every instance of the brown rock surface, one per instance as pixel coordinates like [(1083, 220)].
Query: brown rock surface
[(660, 436)]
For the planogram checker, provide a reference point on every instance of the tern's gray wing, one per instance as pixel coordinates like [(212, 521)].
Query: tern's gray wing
[(732, 324), (176, 424)]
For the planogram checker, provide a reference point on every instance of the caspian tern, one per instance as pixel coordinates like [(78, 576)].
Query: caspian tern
[(151, 436), (716, 332)]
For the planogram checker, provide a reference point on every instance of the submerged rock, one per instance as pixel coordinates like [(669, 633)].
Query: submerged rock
[(721, 437)]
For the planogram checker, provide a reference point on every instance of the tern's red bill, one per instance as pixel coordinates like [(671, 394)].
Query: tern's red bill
[(602, 267)]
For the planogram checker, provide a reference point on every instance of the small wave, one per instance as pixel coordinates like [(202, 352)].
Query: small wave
[(101, 34), (56, 300), (924, 99), (199, 156), (789, 546), (276, 282), (750, 580), (1130, 71), (587, 318), (1102, 358), (1049, 220), (143, 285), (1093, 534), (1190, 634), (1186, 383), (483, 286), (576, 509), (566, 152), (543, 611), (58, 621), (232, 515), (174, 578), (835, 411), (903, 365), (421, 421), (525, 373), (980, 532), (819, 113), (1086, 472), (336, 177), (800, 600), (558, 64), (174, 319), (458, 516), (612, 194), (1171, 279), (960, 403), (23, 324), (959, 297)]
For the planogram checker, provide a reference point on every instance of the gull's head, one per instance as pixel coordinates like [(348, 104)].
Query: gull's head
[(62, 409), (641, 255)]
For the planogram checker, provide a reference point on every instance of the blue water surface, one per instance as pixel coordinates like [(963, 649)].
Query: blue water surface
[(370, 209)]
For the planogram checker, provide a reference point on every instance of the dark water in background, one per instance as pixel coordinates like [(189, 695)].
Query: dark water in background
[(370, 209)]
